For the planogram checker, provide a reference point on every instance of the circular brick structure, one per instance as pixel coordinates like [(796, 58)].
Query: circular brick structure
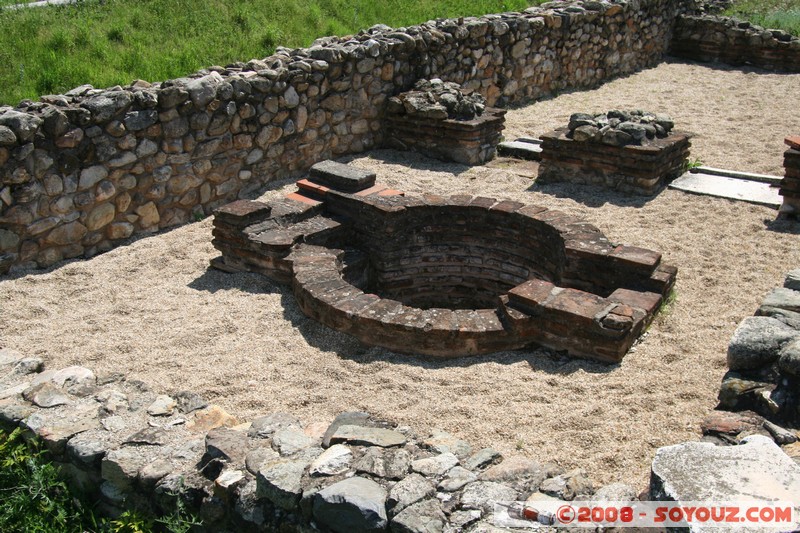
[(447, 276)]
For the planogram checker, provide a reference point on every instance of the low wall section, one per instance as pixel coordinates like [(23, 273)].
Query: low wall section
[(83, 171), (734, 42)]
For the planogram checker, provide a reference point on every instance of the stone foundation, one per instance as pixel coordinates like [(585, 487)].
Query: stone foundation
[(734, 42), (445, 276), (790, 185), (643, 170)]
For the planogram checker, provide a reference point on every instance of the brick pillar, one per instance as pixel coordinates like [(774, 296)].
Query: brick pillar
[(790, 185)]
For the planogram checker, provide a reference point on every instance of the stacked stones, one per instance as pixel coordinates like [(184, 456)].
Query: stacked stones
[(790, 184), (619, 128), (83, 171), (135, 448), (764, 358), (734, 42), (437, 100)]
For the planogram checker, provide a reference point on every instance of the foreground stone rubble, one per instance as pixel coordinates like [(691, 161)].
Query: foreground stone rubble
[(138, 448)]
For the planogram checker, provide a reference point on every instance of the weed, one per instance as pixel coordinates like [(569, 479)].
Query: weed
[(33, 496), (689, 164)]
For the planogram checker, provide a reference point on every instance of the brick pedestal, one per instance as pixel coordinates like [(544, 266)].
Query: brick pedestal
[(471, 142), (790, 185), (634, 169)]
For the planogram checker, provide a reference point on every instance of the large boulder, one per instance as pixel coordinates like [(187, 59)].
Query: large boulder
[(757, 342)]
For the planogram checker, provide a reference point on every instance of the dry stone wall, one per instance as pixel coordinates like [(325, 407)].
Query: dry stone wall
[(82, 172)]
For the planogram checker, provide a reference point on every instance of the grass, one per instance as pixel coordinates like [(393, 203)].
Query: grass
[(775, 14), (33, 498), (105, 43)]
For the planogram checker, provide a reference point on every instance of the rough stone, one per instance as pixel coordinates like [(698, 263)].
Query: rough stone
[(23, 125), (408, 491), (789, 360), (783, 298), (366, 436), (46, 395), (265, 426), (289, 441), (203, 90), (484, 495), (226, 444), (385, 463), (443, 442), (456, 478), (523, 473), (435, 466), (100, 216), (355, 504), (423, 517), (568, 486), (333, 461), (757, 342), (280, 482), (211, 417), (481, 458), (121, 467)]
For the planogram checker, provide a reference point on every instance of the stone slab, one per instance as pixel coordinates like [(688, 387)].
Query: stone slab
[(765, 178), (757, 469), (521, 150), (754, 192), (342, 177)]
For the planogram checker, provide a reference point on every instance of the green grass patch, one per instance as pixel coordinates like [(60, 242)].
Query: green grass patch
[(34, 498), (54, 49), (774, 14)]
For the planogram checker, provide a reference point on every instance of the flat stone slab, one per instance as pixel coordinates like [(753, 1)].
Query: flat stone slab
[(521, 149), (366, 436), (757, 469), (342, 177), (754, 192)]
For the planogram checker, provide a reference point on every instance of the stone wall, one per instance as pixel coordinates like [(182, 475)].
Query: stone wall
[(734, 42), (83, 171)]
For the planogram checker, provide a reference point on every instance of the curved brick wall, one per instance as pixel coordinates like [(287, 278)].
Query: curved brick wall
[(459, 256), (83, 171), (422, 275)]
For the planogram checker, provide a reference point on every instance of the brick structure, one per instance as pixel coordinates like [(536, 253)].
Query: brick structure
[(446, 276), (639, 169), (790, 185), (471, 142)]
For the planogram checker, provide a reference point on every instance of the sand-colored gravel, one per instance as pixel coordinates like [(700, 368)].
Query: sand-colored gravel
[(156, 312)]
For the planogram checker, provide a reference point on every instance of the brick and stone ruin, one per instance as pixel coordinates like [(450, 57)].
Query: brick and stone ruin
[(445, 276), (441, 120), (630, 151), (790, 184)]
